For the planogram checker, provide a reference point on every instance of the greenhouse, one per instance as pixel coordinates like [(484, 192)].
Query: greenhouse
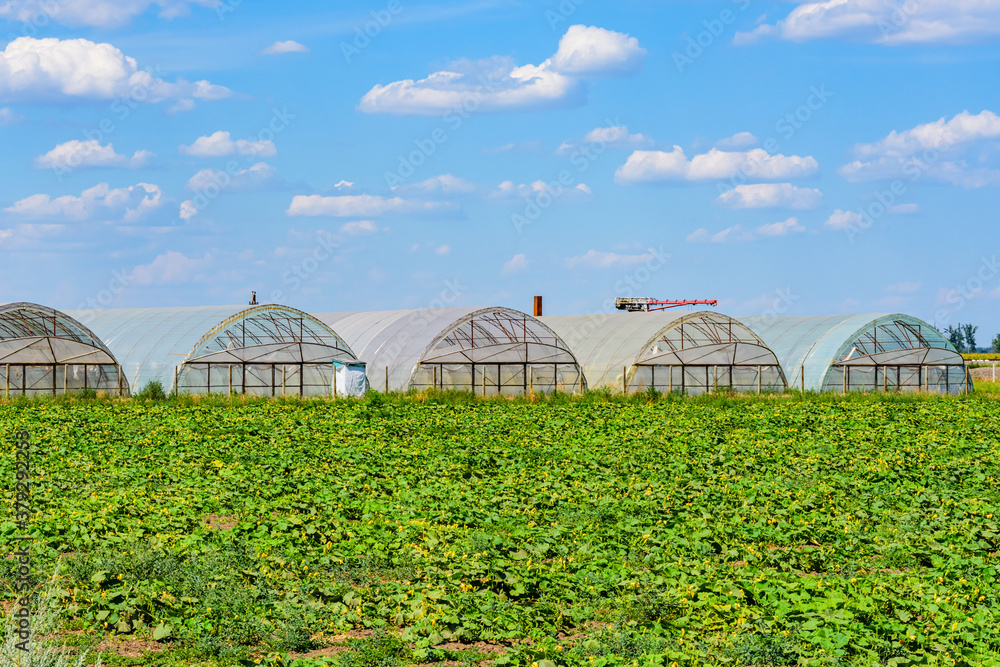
[(45, 351), (489, 351), (686, 352), (890, 352), (265, 350)]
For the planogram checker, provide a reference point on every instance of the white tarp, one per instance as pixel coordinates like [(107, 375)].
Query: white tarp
[(349, 379)]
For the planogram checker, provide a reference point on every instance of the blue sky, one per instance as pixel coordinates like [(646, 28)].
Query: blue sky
[(788, 157)]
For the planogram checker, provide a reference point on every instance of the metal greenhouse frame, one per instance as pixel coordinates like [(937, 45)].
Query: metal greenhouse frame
[(46, 352), (874, 352), (488, 351), (265, 350), (690, 352)]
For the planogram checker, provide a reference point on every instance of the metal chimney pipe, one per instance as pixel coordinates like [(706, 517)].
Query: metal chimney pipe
[(538, 306)]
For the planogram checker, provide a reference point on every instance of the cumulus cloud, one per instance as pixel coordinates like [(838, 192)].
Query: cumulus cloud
[(841, 219), (784, 228), (591, 51), (512, 190), (252, 178), (516, 264), (444, 185), (221, 144), (359, 228), (738, 140), (95, 13), (43, 71), (90, 153), (188, 210), (612, 136), (737, 233), (443, 250), (648, 166), (131, 203), (599, 259), (498, 84), (353, 206), (771, 195), (285, 47), (170, 268), (936, 150), (886, 22)]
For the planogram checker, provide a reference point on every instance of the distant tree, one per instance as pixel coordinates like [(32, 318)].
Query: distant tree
[(955, 336), (996, 343), (969, 332)]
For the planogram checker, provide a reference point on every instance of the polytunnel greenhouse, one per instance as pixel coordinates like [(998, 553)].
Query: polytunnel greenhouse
[(890, 352), (45, 351), (687, 352), (489, 351), (265, 350)]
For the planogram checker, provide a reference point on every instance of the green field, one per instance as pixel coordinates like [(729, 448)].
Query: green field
[(782, 530)]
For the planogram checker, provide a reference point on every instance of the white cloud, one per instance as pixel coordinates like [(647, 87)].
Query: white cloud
[(171, 267), (598, 259), (43, 71), (886, 22), (790, 226), (612, 136), (188, 210), (961, 129), (595, 51), (344, 185), (647, 166), (444, 185), (252, 178), (738, 140), (516, 264), (841, 219), (512, 190), (737, 233), (904, 209), (221, 144), (359, 228), (94, 13), (8, 117), (131, 203), (497, 84), (352, 206), (443, 250), (936, 150), (90, 153), (771, 195), (285, 47)]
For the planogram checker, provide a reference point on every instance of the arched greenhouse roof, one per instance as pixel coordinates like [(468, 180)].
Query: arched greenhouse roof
[(607, 344), (398, 341), (35, 334), (814, 344), (152, 342)]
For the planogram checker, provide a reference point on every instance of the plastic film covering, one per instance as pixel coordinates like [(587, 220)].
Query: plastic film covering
[(491, 351), (45, 351), (266, 350), (689, 352), (892, 352)]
